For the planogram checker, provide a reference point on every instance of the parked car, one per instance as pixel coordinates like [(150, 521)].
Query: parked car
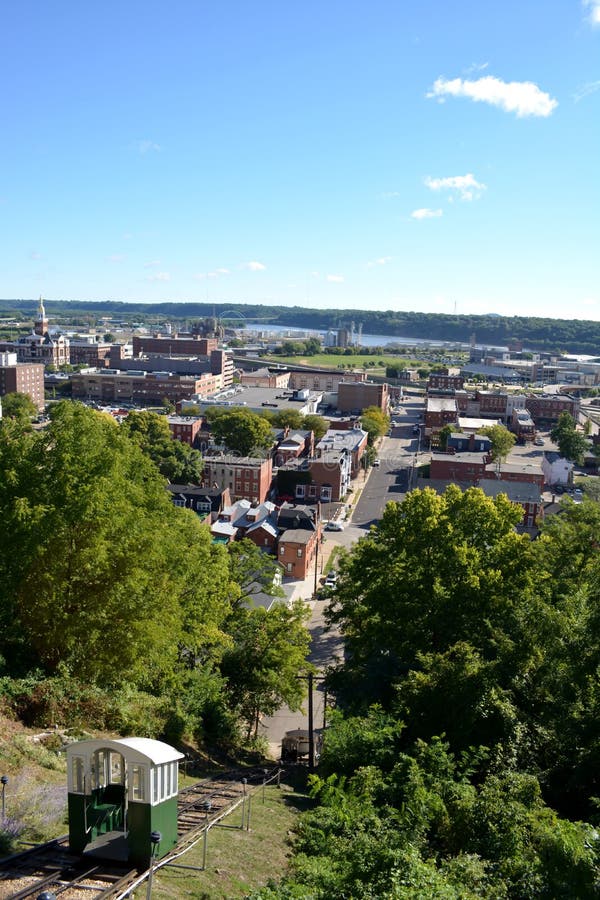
[(376, 463), (331, 579), (334, 526), (539, 442)]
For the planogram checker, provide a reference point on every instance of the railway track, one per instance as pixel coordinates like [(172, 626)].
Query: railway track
[(51, 867)]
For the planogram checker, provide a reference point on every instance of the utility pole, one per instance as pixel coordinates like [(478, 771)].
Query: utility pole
[(311, 730)]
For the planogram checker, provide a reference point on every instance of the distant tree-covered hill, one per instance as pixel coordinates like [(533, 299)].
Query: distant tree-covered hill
[(567, 335)]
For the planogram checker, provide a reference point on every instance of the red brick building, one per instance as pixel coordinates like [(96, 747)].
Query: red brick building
[(545, 409), (356, 396), (247, 477), (439, 381), (185, 428), (297, 551), (22, 378)]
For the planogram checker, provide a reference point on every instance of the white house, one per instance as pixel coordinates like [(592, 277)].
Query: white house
[(556, 469)]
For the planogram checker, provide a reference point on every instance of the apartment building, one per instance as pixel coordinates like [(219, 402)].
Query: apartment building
[(247, 477), (22, 378)]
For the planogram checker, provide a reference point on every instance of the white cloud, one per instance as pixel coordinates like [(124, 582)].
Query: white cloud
[(335, 279), (426, 213), (382, 261), (35, 255), (115, 258), (476, 67), (465, 186), (590, 88), (387, 195), (148, 146), (152, 264), (521, 97), (216, 273), (254, 266), (159, 276), (593, 7)]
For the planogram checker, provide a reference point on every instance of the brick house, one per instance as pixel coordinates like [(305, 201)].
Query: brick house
[(440, 411), (246, 477), (297, 551), (185, 428)]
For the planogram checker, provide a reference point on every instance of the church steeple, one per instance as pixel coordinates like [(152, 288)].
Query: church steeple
[(41, 323)]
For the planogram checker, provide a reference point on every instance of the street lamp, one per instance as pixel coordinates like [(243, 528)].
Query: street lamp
[(4, 781), (155, 839)]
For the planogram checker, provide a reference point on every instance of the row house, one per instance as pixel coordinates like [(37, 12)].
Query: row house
[(206, 502), (546, 409), (297, 551), (292, 445), (439, 411), (255, 521), (247, 477), (459, 442), (474, 468), (556, 469), (325, 478), (186, 428), (353, 440)]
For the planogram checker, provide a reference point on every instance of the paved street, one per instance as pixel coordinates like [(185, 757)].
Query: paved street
[(388, 481)]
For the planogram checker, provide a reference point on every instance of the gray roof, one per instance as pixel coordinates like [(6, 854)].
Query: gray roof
[(296, 536)]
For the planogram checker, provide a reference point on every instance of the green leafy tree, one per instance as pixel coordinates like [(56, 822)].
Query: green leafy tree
[(18, 406), (242, 432), (176, 460), (571, 443), (437, 571), (288, 418), (317, 424), (374, 422), (99, 572), (268, 654), (445, 433), (502, 440)]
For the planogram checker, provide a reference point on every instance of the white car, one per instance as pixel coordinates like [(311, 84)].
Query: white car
[(334, 526), (376, 463)]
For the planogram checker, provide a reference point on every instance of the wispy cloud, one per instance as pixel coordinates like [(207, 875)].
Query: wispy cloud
[(382, 261), (466, 187), (216, 273), (475, 67), (335, 279), (159, 276), (255, 266), (521, 97), (149, 147), (388, 195), (585, 90), (152, 264), (35, 255), (116, 258), (426, 213), (593, 11)]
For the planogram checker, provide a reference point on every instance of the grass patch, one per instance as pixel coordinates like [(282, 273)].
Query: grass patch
[(330, 564), (239, 861), (358, 361)]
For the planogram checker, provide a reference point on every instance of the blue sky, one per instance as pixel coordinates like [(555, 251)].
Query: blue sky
[(418, 156)]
